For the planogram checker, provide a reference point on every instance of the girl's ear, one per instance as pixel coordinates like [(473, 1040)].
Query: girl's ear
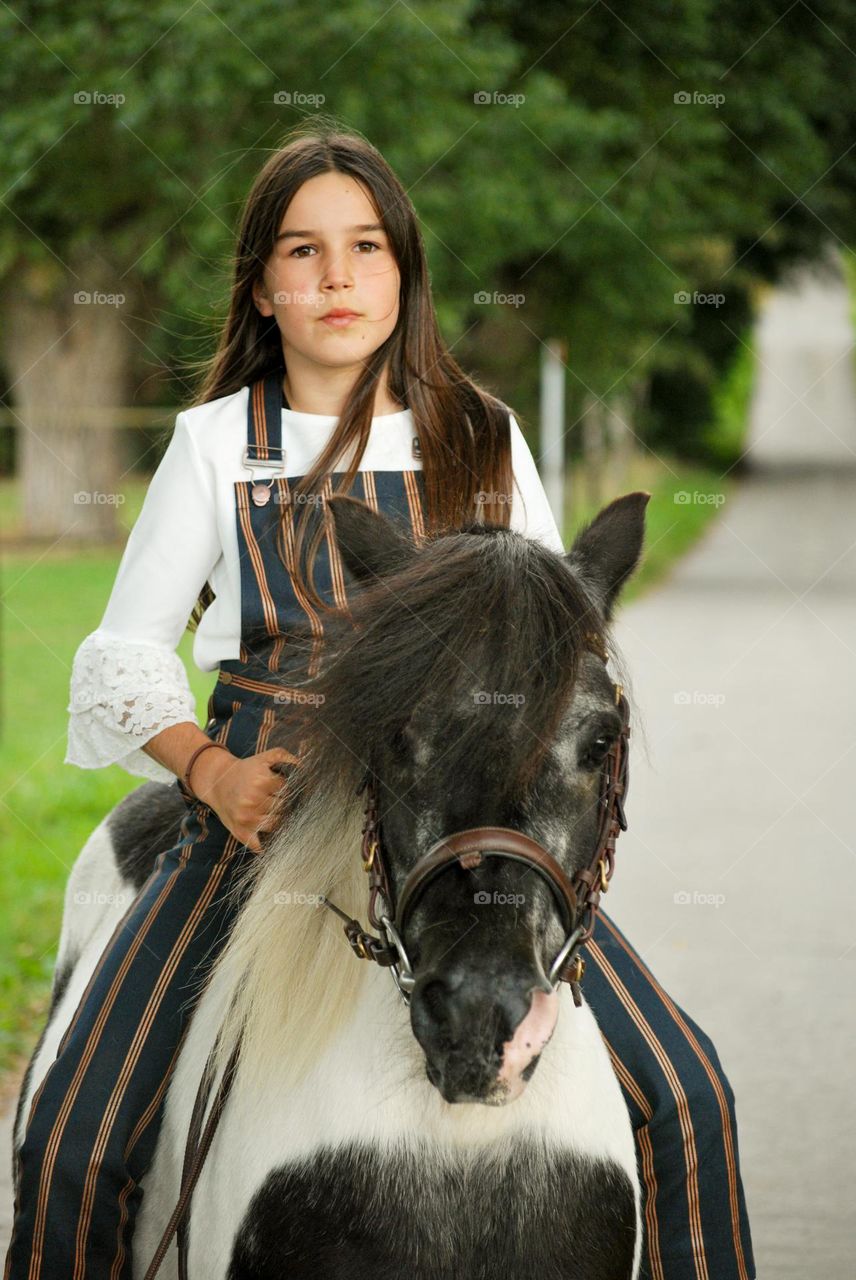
[(261, 298), (370, 544)]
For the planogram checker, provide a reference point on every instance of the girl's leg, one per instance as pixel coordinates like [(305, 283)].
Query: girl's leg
[(682, 1109), (93, 1122)]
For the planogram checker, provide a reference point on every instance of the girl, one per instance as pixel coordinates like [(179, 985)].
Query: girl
[(331, 348)]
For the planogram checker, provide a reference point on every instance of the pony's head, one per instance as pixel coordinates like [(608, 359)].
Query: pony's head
[(470, 683), (467, 677)]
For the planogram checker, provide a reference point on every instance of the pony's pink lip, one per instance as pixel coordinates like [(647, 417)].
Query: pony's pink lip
[(528, 1040)]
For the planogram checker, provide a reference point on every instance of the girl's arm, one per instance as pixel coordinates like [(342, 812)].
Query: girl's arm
[(127, 682), (530, 510)]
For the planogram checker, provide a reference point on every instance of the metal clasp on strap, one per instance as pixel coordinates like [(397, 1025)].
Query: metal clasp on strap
[(254, 464), (261, 493)]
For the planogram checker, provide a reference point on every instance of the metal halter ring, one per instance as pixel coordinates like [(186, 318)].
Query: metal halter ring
[(570, 945)]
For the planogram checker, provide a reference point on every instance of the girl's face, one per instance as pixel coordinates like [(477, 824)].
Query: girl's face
[(331, 254)]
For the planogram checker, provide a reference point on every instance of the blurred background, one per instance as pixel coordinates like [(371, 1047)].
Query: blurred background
[(639, 225)]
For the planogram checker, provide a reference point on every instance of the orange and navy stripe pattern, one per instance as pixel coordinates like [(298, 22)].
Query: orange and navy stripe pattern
[(682, 1109)]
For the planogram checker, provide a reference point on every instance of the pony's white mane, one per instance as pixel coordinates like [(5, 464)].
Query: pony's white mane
[(290, 976)]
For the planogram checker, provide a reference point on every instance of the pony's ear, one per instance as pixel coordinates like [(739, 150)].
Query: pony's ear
[(370, 544), (606, 550)]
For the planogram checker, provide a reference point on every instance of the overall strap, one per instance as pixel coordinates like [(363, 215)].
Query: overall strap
[(264, 419)]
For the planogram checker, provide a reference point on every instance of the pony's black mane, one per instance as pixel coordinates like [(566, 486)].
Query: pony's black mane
[(483, 608)]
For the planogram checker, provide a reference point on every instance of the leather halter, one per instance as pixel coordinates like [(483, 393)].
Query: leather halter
[(577, 898)]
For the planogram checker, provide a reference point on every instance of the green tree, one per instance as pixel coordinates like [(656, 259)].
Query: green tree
[(656, 191), (551, 166)]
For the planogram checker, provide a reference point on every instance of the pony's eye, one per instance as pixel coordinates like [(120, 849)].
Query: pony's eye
[(596, 751)]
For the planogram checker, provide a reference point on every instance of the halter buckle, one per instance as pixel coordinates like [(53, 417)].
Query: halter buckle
[(358, 943), (368, 862)]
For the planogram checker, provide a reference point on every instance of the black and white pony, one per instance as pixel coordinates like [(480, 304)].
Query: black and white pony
[(479, 1131)]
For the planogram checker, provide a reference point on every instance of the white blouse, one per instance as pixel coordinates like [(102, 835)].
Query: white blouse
[(128, 682)]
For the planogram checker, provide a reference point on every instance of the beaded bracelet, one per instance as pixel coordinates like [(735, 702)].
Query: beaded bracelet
[(204, 747)]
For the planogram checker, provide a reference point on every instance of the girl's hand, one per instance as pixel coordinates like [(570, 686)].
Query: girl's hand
[(241, 792)]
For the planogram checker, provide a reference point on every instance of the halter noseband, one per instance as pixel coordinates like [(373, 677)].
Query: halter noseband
[(577, 898)]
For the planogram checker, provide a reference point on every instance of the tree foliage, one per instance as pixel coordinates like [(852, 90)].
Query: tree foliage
[(584, 185)]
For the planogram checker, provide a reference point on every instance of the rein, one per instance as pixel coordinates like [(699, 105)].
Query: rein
[(577, 898)]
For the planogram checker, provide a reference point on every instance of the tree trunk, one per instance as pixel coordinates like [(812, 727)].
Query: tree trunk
[(67, 352)]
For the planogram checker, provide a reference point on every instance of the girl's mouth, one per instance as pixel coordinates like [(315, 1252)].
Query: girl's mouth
[(340, 321)]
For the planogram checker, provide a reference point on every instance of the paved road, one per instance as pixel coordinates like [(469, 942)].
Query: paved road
[(741, 804), (742, 669)]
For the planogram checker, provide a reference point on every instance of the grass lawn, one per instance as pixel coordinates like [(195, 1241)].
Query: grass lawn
[(48, 809)]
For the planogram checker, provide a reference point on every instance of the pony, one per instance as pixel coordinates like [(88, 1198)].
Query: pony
[(470, 1126)]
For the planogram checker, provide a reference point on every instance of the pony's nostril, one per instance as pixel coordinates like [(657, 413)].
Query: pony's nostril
[(435, 997)]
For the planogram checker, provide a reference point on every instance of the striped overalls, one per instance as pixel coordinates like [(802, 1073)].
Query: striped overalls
[(94, 1120)]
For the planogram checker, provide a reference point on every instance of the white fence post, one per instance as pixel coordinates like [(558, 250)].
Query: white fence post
[(552, 425)]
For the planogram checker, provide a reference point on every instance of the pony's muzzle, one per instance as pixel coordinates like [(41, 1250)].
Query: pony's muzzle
[(482, 1033)]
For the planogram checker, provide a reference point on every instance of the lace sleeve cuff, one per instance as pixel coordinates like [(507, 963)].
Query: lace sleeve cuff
[(122, 694)]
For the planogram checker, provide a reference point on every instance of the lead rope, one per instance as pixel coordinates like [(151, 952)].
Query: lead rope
[(190, 1151), (194, 1158)]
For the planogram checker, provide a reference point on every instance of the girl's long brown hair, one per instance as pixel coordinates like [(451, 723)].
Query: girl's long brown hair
[(463, 430)]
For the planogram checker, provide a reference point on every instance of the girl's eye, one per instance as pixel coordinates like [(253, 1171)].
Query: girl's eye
[(294, 253)]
